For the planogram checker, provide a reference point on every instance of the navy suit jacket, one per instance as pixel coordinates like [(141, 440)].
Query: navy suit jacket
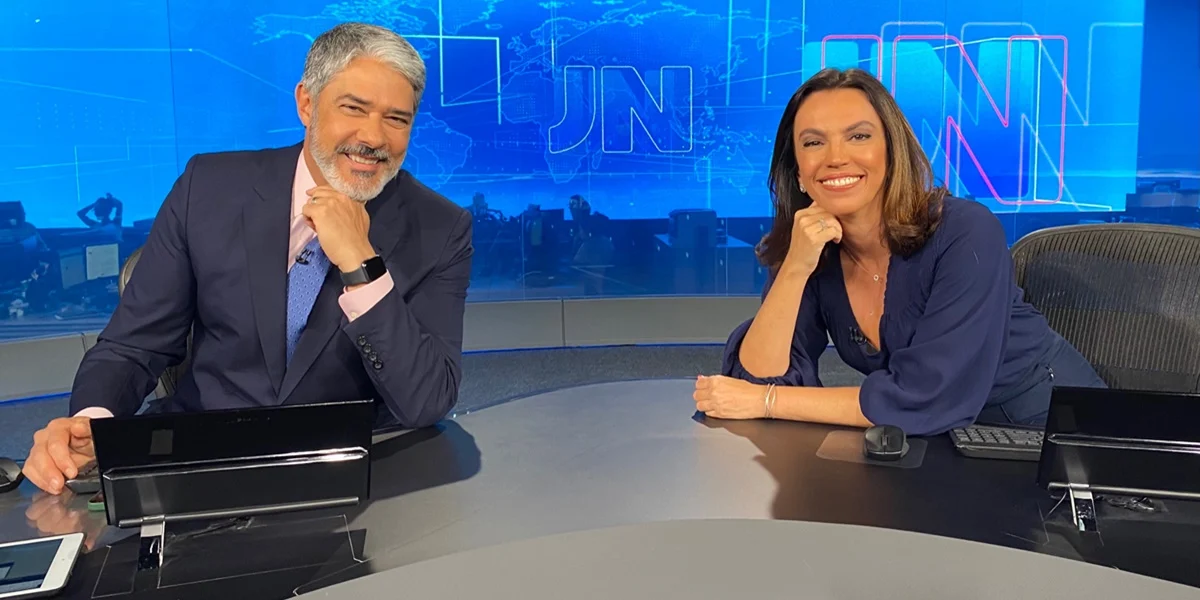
[(215, 263)]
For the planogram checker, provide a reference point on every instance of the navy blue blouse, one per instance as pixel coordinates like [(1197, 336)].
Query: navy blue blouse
[(955, 332)]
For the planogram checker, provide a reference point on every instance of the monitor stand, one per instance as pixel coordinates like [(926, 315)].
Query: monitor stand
[(272, 555), (150, 550), (1083, 509)]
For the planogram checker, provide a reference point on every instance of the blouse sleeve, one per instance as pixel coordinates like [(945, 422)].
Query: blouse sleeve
[(943, 378), (808, 343)]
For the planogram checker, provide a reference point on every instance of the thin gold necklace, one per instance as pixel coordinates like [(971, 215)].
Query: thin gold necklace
[(875, 276)]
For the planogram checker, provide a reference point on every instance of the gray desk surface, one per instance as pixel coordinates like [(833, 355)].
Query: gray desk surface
[(759, 559), (620, 454)]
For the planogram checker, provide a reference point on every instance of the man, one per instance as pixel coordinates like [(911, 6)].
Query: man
[(320, 272)]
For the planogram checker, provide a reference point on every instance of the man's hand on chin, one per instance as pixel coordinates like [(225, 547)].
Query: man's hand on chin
[(342, 226)]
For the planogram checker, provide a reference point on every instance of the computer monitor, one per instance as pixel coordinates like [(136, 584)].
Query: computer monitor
[(80, 264), (12, 214), (218, 464), (692, 228), (1137, 443)]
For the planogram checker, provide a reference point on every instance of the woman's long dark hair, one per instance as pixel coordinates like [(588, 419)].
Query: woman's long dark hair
[(911, 203)]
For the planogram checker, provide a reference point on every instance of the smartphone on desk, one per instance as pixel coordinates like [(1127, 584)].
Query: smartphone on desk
[(37, 568), (87, 481)]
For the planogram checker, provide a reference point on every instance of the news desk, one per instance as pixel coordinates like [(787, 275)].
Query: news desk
[(607, 465)]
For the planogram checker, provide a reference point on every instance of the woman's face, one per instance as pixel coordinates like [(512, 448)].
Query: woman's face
[(841, 151)]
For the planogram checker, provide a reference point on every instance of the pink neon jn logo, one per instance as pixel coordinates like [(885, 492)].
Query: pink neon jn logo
[(953, 131)]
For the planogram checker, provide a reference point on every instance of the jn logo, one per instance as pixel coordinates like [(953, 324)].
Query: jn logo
[(626, 104), (1006, 113)]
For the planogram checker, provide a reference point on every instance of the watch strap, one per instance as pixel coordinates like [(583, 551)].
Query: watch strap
[(371, 269)]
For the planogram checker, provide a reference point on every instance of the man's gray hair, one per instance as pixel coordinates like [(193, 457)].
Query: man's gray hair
[(333, 50)]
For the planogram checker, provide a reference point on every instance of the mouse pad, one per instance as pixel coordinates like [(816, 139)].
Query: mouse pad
[(847, 446)]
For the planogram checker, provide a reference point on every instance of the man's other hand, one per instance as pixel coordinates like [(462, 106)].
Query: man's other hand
[(59, 451)]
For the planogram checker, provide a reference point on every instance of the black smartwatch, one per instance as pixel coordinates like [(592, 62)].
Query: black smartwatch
[(371, 269)]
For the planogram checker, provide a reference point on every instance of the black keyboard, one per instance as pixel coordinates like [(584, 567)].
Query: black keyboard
[(1004, 443)]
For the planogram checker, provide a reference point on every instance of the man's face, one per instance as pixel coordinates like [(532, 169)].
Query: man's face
[(358, 127)]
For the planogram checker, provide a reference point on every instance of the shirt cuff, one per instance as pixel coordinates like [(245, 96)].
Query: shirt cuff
[(355, 303), (95, 412)]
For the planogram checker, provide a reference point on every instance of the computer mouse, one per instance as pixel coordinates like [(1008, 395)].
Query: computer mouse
[(885, 442), (10, 475)]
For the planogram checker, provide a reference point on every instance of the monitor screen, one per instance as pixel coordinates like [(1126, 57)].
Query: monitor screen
[(24, 566)]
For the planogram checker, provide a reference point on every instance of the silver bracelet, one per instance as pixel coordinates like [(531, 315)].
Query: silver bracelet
[(774, 396), (767, 399)]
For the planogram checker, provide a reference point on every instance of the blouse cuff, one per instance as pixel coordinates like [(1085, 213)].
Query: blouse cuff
[(801, 371)]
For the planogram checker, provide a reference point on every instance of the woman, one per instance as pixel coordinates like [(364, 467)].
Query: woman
[(107, 223), (915, 288)]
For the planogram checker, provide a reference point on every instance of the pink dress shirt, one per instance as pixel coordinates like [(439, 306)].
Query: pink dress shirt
[(354, 303)]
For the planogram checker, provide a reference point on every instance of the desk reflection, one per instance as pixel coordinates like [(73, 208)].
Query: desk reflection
[(64, 514)]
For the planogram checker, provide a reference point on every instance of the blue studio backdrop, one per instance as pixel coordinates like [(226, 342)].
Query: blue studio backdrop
[(638, 108)]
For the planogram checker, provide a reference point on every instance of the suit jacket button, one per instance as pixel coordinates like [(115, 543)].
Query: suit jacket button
[(367, 349), (362, 340), (378, 365), (374, 357)]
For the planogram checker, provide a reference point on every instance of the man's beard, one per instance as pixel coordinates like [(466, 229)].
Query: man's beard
[(359, 188)]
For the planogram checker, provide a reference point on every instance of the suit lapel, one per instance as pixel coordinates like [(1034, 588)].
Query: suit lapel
[(327, 317), (267, 225), (388, 225)]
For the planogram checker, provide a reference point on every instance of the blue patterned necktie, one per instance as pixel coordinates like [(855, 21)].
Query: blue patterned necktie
[(304, 283)]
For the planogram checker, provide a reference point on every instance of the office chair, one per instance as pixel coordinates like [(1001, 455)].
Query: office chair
[(169, 380), (1127, 295)]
